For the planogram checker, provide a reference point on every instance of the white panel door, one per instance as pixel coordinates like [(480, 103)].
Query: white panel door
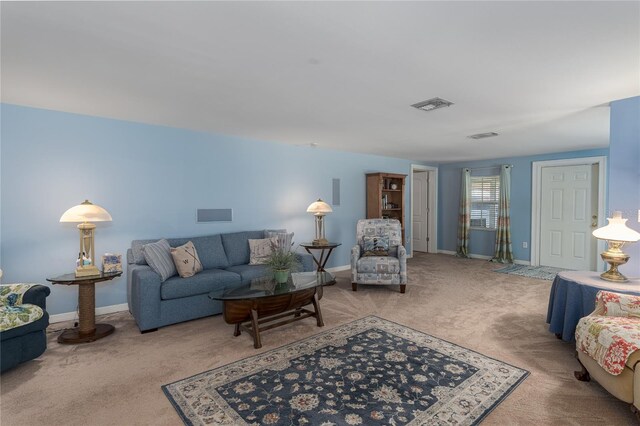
[(420, 212), (566, 217)]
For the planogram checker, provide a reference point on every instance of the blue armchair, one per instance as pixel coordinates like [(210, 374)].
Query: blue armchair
[(369, 268), (23, 323)]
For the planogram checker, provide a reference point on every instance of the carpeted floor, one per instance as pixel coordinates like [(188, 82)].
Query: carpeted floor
[(117, 380)]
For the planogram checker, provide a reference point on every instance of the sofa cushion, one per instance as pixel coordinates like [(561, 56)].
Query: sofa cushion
[(37, 325), (210, 251), (250, 272), (236, 246), (378, 265), (158, 256), (19, 315), (202, 283)]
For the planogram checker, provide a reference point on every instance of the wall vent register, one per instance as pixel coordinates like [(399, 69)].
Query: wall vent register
[(214, 215)]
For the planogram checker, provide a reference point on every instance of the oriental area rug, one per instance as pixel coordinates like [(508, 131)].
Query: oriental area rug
[(540, 272), (370, 371)]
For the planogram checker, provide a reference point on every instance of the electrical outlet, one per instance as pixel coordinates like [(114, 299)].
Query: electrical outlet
[(524, 244)]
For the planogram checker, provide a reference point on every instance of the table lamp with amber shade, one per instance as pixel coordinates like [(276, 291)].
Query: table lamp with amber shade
[(616, 233), (86, 213)]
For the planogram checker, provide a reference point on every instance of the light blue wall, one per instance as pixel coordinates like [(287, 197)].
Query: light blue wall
[(482, 242), (152, 179), (624, 171)]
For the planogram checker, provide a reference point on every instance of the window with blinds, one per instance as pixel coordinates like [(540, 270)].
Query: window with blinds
[(485, 191)]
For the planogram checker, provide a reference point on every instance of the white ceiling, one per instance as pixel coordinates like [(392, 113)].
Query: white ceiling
[(342, 75)]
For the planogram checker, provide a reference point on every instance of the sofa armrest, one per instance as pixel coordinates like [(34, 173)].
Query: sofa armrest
[(356, 252), (37, 295), (613, 304), (145, 296), (355, 255), (21, 293), (402, 257)]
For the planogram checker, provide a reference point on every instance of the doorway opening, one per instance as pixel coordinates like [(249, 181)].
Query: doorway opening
[(424, 209), (567, 205)]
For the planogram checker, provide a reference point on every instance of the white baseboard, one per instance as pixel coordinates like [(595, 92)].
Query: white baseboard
[(70, 316), (484, 257)]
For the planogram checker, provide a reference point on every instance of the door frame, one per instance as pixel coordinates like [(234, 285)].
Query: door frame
[(433, 211), (536, 194)]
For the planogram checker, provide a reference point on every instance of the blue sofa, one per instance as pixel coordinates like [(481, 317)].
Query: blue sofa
[(225, 261), (27, 341)]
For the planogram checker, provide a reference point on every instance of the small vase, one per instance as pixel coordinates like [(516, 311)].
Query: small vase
[(281, 276)]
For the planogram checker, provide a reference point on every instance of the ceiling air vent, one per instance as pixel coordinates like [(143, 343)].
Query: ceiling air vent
[(431, 104), (483, 135)]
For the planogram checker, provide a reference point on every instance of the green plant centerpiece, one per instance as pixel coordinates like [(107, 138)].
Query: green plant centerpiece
[(281, 262)]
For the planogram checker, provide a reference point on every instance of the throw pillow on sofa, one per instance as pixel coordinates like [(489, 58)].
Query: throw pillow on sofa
[(186, 260), (285, 240), (260, 250), (158, 257), (376, 246)]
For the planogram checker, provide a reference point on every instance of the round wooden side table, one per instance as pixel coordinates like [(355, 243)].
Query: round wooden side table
[(322, 261), (87, 330)]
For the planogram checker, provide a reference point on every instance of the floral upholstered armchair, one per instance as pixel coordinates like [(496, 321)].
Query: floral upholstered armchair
[(378, 256), (23, 323), (608, 343)]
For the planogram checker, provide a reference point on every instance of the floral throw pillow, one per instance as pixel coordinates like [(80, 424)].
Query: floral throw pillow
[(260, 250), (186, 260), (376, 246)]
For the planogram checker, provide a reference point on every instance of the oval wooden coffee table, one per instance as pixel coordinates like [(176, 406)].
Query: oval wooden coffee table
[(263, 304)]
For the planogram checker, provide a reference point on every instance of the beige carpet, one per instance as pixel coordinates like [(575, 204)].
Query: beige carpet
[(116, 381)]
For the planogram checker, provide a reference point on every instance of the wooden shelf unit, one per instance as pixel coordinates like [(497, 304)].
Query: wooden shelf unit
[(379, 190)]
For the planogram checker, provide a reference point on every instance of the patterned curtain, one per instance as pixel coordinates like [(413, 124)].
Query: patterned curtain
[(464, 214), (504, 252)]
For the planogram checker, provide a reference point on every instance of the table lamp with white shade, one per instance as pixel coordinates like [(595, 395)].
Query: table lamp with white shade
[(319, 209), (616, 233), (86, 213)]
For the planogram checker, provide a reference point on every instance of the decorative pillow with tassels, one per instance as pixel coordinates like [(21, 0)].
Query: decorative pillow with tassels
[(186, 260)]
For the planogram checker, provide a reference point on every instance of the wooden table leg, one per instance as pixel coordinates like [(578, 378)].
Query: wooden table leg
[(256, 330), (324, 261), (87, 309), (237, 331), (316, 306), (87, 330)]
